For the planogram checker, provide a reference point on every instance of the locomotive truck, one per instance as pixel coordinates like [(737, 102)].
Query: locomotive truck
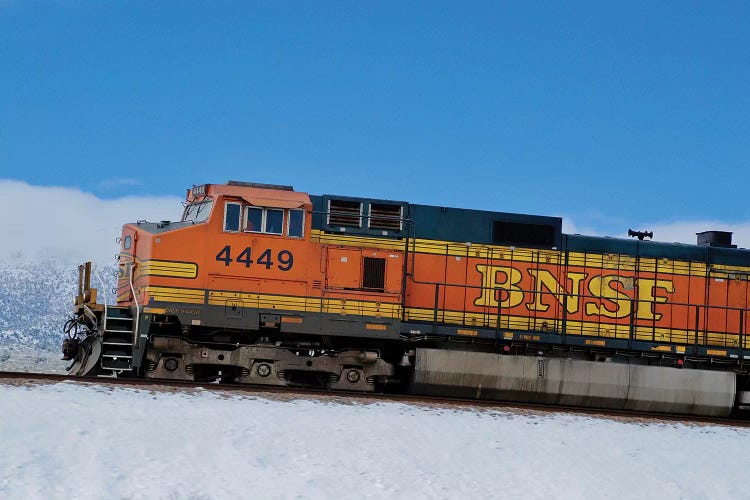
[(261, 284)]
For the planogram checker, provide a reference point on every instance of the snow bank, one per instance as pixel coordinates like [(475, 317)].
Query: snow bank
[(69, 440), (36, 298), (27, 360)]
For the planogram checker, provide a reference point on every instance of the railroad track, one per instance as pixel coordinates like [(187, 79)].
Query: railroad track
[(622, 415)]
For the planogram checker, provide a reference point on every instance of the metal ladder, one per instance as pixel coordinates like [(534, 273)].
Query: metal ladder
[(117, 342)]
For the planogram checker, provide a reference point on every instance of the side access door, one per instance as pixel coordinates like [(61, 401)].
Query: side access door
[(125, 266), (362, 293)]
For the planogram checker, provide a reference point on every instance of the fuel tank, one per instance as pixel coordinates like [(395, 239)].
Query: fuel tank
[(571, 382)]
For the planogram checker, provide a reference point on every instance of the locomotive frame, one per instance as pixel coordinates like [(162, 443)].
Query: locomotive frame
[(262, 284)]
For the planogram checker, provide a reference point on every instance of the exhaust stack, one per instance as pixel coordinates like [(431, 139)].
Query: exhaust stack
[(721, 239)]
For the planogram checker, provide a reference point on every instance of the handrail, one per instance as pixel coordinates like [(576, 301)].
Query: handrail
[(135, 301), (408, 234), (104, 291), (90, 314), (631, 318)]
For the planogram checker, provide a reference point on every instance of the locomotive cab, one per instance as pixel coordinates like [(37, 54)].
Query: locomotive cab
[(236, 283), (237, 231)]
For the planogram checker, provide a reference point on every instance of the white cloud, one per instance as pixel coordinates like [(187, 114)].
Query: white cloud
[(73, 226), (684, 231), (70, 225), (570, 227), (118, 182), (670, 232)]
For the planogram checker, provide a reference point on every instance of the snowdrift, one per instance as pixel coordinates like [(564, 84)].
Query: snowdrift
[(72, 440)]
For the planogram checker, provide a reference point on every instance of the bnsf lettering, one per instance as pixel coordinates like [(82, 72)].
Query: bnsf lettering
[(605, 295), (285, 258)]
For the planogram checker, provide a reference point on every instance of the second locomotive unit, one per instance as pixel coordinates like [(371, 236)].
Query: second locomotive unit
[(262, 284)]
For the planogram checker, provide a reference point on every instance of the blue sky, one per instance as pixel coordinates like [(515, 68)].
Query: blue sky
[(613, 115)]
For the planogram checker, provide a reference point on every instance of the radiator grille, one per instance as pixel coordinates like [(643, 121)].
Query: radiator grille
[(345, 213), (386, 217)]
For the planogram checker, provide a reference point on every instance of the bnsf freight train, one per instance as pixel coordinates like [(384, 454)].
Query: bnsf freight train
[(261, 284)]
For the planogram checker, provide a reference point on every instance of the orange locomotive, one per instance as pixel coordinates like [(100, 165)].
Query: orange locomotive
[(261, 284)]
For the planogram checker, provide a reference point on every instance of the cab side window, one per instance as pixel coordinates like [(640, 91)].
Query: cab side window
[(264, 220), (232, 217), (296, 224), (274, 221), (254, 219)]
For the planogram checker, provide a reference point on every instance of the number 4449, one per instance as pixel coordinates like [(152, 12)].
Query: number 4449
[(284, 258)]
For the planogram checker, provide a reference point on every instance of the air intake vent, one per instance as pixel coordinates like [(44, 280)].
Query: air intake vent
[(523, 234), (386, 217), (345, 213), (374, 273)]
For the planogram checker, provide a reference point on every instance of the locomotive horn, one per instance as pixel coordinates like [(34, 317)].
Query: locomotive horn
[(641, 234)]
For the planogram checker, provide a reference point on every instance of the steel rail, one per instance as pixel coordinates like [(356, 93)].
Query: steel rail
[(484, 404)]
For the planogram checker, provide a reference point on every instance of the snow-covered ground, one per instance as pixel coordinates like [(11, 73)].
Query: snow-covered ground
[(22, 359), (36, 299), (79, 441)]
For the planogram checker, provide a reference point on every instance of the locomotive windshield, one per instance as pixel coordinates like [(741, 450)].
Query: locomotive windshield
[(198, 212)]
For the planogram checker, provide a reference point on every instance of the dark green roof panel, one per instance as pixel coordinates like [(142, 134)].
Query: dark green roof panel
[(595, 244), (729, 256), (476, 226), (461, 225)]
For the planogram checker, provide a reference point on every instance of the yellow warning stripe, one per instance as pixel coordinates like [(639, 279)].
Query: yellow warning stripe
[(585, 328), (164, 294), (309, 304), (155, 310), (596, 342), (468, 320), (166, 268), (615, 262), (319, 236)]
